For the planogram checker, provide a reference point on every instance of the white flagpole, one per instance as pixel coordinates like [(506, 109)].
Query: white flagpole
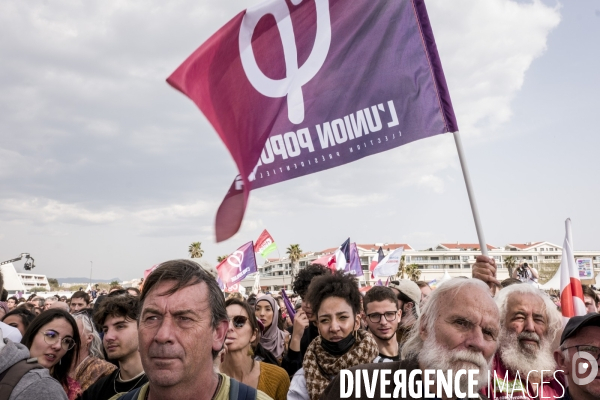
[(465, 171)]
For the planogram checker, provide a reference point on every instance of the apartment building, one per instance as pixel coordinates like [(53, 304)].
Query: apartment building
[(31, 281), (444, 259)]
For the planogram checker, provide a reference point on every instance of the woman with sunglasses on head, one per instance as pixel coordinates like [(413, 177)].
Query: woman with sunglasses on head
[(273, 338), (53, 338), (335, 301), (238, 361)]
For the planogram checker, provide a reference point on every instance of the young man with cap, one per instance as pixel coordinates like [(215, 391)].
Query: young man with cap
[(580, 336), (409, 297)]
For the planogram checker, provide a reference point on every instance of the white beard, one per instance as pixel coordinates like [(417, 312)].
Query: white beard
[(517, 357), (435, 356)]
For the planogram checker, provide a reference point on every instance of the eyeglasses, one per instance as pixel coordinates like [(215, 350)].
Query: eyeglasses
[(389, 316), (51, 338), (592, 350), (239, 321)]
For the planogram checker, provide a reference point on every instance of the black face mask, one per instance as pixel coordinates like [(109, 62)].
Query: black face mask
[(338, 348)]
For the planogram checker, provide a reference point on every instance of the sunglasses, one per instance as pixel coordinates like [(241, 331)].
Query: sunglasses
[(239, 321)]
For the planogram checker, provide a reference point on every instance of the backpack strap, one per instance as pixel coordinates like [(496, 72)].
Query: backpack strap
[(241, 391), (234, 388), (11, 376), (132, 395)]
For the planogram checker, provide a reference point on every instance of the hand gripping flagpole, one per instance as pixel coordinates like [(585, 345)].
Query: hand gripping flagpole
[(465, 171)]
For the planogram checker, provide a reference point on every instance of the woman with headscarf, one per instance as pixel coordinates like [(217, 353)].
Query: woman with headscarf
[(335, 300), (273, 338)]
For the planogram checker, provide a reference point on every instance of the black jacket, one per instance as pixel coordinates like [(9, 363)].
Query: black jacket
[(292, 360)]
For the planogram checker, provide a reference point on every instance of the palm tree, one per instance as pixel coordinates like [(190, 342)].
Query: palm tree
[(413, 272), (510, 262), (195, 250), (294, 252), (401, 268), (221, 258)]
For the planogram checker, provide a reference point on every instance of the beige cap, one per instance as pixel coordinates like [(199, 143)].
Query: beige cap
[(410, 289)]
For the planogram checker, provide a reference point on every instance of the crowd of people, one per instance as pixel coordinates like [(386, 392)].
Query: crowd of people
[(182, 338)]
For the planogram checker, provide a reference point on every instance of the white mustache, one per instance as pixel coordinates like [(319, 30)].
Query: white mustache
[(469, 356), (529, 336)]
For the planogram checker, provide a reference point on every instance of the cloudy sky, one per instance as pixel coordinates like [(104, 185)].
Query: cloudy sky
[(101, 160)]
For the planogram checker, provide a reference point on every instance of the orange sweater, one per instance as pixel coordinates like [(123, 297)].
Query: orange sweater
[(273, 381)]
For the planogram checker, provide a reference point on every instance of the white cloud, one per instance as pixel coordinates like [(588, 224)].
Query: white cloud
[(174, 212), (48, 211), (486, 47)]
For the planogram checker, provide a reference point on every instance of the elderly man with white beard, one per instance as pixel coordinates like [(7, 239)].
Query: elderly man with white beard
[(457, 330), (529, 323)]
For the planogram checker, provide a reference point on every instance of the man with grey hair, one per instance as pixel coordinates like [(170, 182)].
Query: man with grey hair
[(60, 304), (457, 329), (529, 323), (49, 301), (182, 328)]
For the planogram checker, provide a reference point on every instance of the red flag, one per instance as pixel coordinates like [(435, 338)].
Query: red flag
[(571, 292), (265, 244)]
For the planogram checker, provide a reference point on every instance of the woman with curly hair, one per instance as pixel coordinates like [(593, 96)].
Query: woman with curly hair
[(335, 301)]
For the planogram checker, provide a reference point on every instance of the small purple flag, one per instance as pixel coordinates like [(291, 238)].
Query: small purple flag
[(353, 265), (379, 283), (288, 305), (238, 265)]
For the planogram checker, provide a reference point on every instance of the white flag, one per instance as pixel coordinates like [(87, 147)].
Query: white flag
[(390, 263), (256, 287)]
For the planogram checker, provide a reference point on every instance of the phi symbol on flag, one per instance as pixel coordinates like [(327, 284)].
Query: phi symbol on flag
[(236, 259), (296, 77)]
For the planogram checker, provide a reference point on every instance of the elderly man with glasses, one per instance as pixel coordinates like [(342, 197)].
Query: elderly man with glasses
[(579, 345), (382, 318)]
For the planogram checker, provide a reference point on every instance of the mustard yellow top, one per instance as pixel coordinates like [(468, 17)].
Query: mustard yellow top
[(273, 381)]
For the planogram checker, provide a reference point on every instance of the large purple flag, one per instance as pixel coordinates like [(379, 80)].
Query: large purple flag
[(294, 88), (238, 265), (353, 265)]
